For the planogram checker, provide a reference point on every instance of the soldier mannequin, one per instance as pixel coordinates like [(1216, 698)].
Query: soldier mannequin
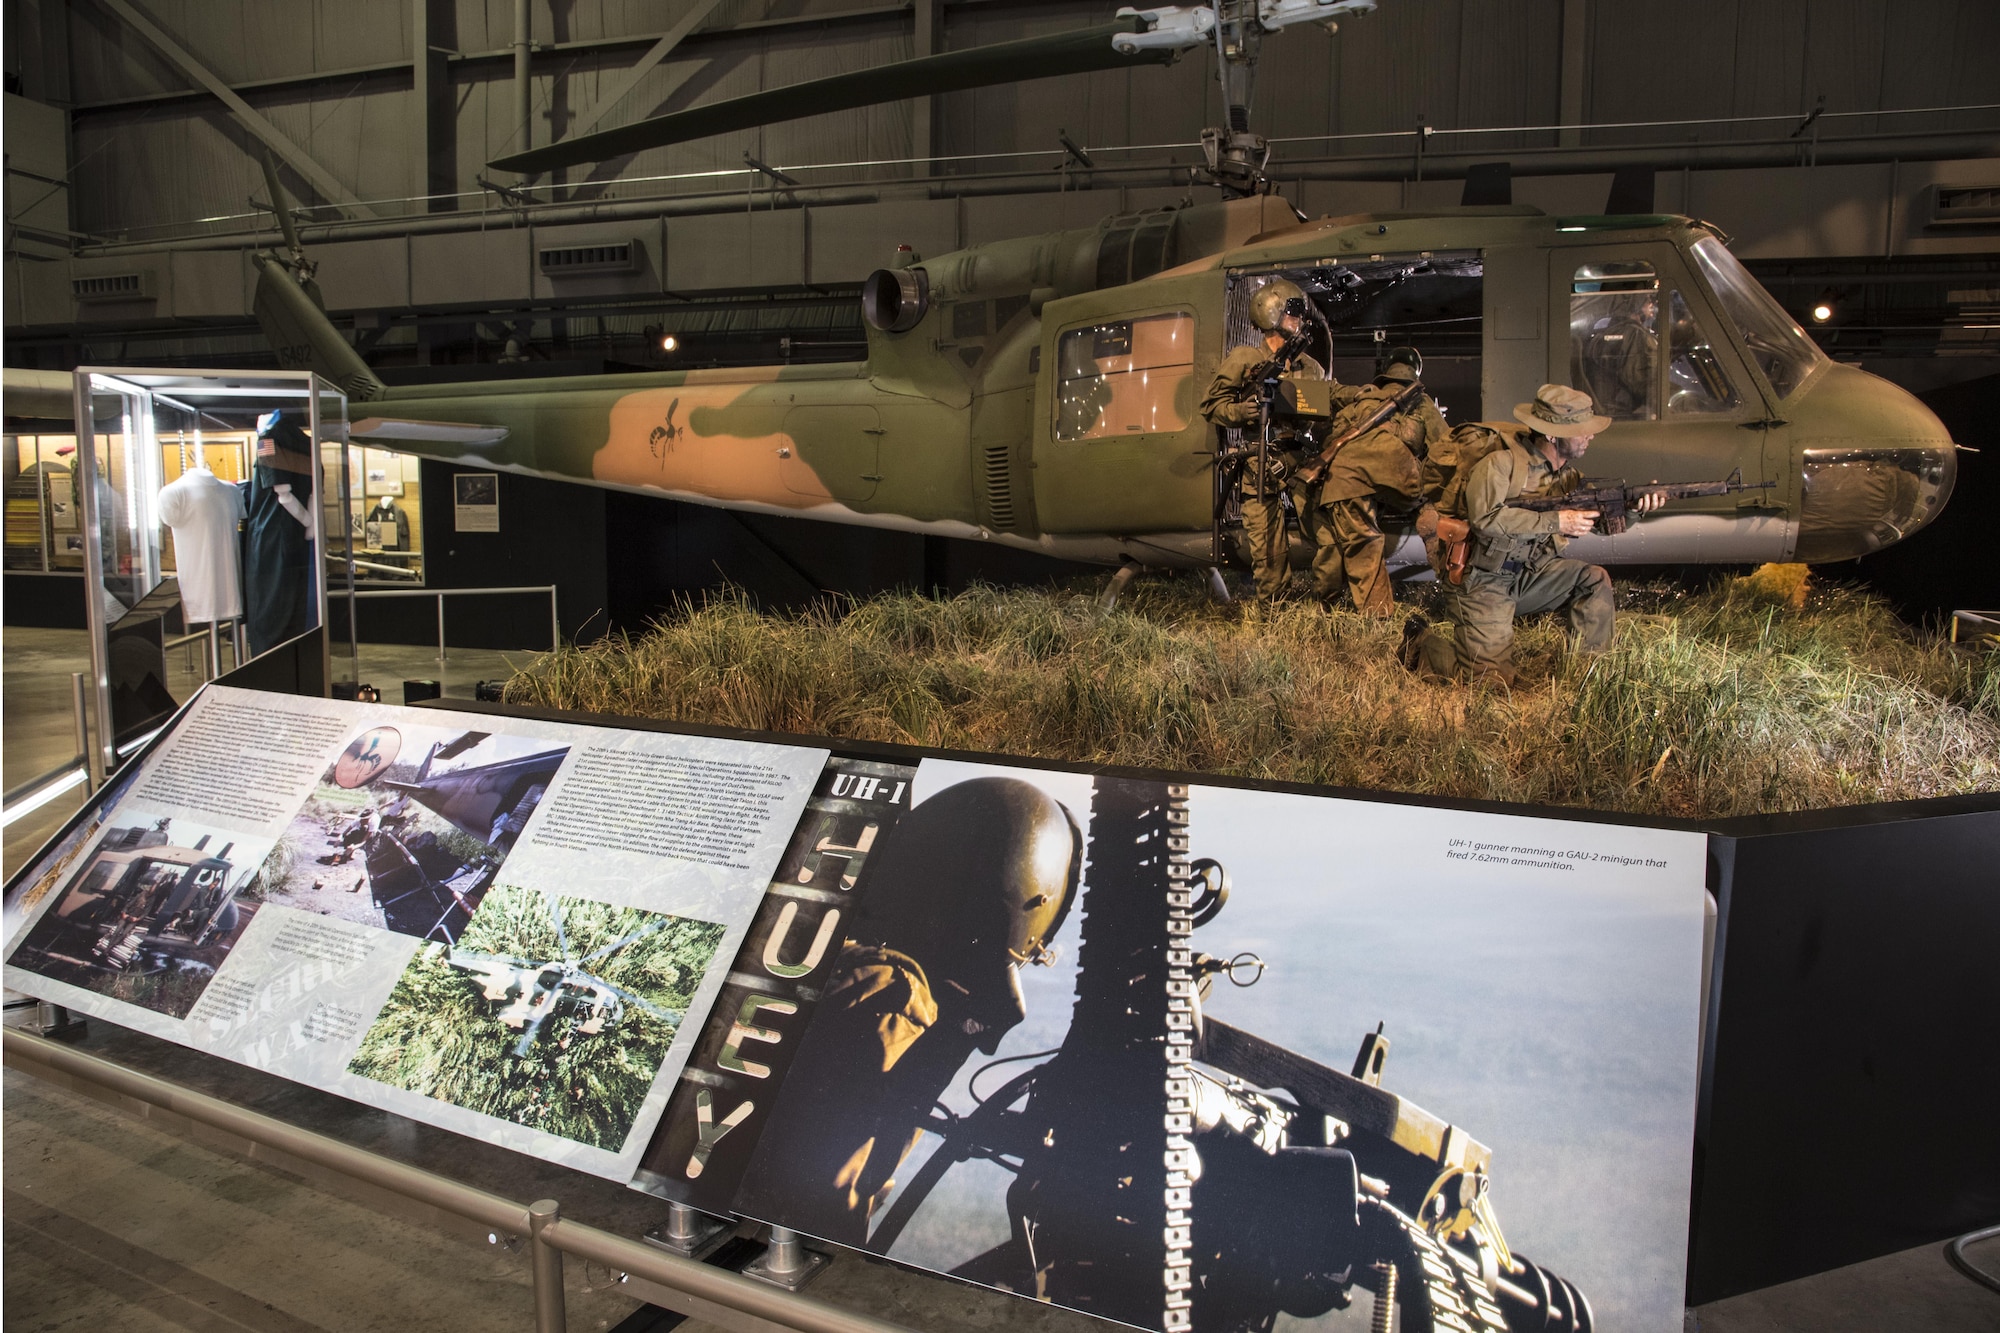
[(1232, 401), (1384, 466), (1515, 565)]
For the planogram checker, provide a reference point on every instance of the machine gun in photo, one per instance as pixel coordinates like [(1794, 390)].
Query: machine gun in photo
[(1174, 1172)]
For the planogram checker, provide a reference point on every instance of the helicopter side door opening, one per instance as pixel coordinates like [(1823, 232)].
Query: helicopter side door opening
[(1359, 310)]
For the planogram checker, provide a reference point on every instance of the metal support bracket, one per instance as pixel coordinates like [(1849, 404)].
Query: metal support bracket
[(690, 1233), (786, 1262)]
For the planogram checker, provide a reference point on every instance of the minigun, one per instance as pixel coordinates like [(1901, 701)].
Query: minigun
[(1286, 1182), (1614, 500)]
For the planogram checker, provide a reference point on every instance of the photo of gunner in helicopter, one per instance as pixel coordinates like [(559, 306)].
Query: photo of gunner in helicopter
[(150, 916)]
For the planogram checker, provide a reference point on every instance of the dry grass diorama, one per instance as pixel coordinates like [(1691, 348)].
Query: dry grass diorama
[(1753, 695)]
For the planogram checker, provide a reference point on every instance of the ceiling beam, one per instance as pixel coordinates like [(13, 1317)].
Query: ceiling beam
[(273, 138), (659, 51)]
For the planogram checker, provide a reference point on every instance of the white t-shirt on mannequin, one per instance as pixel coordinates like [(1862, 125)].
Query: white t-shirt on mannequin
[(203, 510)]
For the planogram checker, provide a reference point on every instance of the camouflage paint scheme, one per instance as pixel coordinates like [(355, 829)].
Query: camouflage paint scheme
[(949, 428)]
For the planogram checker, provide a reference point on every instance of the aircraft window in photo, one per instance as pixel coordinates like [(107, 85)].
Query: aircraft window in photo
[(1132, 377), (1774, 340), (1614, 328), (1696, 382)]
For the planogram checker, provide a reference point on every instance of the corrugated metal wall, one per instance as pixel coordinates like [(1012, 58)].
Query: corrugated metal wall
[(1453, 63)]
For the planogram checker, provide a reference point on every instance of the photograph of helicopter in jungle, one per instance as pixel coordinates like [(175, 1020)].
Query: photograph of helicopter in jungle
[(150, 916), (408, 827), (553, 1013)]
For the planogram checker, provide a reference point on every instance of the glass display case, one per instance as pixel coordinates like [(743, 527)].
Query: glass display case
[(385, 517), (222, 482), (42, 533)]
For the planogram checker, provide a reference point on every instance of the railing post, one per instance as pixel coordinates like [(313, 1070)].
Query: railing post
[(440, 598), (214, 646), (545, 1263), (555, 624), (80, 714)]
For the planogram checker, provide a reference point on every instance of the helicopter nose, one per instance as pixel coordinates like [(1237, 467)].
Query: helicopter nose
[(1878, 465)]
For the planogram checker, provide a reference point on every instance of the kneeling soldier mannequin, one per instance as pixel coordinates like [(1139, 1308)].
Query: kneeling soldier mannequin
[(1515, 564), (1381, 468)]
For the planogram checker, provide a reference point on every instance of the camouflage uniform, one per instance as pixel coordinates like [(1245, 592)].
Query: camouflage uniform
[(1515, 568), (1232, 401), (1382, 467)]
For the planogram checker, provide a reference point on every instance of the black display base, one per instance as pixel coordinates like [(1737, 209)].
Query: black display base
[(1850, 1072)]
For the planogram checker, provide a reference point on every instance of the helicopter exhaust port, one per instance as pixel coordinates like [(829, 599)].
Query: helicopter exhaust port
[(893, 300)]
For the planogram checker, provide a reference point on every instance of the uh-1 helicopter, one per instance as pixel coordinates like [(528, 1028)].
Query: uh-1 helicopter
[(1041, 392)]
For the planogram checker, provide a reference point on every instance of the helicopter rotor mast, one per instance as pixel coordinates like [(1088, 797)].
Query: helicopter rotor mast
[(1235, 156)]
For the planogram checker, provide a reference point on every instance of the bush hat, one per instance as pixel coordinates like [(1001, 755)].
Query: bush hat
[(1561, 411)]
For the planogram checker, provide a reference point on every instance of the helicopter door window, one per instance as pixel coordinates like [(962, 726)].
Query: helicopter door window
[(1695, 379), (1132, 377), (1614, 313)]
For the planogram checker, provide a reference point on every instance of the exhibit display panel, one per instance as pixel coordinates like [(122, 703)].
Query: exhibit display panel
[(1180, 1055), (513, 931), (1089, 1040)]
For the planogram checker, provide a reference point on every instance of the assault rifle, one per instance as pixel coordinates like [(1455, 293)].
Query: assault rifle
[(1391, 407), (1613, 500)]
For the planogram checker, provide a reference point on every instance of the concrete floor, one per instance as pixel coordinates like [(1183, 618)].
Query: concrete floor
[(117, 1222), (122, 1224)]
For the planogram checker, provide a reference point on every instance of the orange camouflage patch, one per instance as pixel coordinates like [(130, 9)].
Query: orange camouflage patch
[(652, 444)]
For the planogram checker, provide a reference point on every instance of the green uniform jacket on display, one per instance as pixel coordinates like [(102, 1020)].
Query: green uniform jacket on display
[(278, 550), (1515, 568), (1381, 468)]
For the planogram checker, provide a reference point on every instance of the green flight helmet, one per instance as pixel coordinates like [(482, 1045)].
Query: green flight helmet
[(972, 884), (1404, 365), (1268, 306)]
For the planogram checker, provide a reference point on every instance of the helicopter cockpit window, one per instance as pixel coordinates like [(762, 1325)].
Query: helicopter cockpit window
[(1695, 379), (1614, 313), (1132, 377), (1773, 339)]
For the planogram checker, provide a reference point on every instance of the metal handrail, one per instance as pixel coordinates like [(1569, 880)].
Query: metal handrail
[(548, 1233), (555, 621)]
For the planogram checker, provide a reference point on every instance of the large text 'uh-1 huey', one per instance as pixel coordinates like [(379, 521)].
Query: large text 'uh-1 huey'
[(1041, 392)]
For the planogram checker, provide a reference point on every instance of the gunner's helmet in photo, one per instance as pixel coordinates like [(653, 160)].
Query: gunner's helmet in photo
[(976, 882)]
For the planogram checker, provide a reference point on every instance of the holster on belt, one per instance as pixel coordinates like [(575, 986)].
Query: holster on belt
[(1455, 539)]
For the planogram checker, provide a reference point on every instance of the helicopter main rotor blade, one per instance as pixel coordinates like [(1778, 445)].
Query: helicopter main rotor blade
[(1077, 52), (639, 934), (555, 915), (673, 1017)]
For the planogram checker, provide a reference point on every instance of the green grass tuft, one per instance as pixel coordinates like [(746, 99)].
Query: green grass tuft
[(1714, 703)]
